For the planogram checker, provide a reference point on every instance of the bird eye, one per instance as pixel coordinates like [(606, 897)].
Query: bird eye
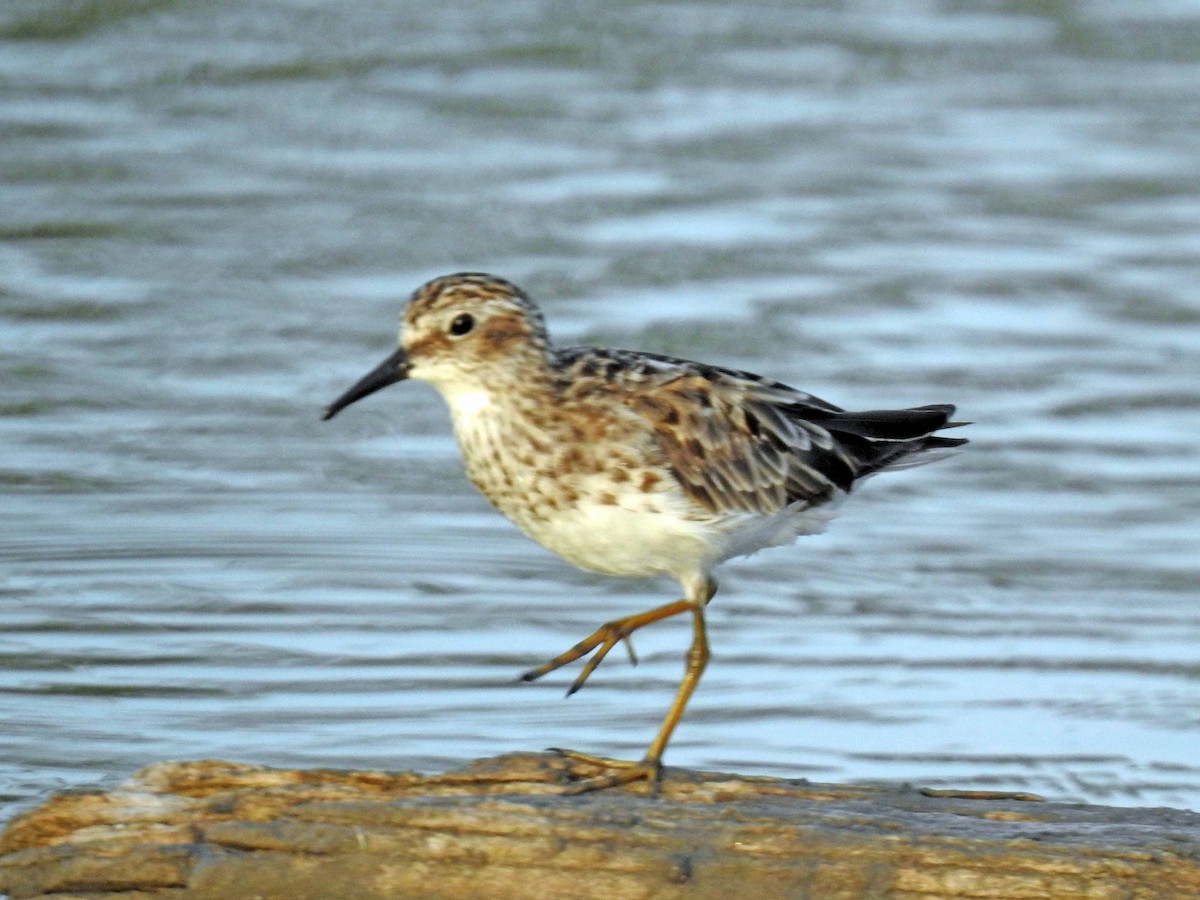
[(462, 324)]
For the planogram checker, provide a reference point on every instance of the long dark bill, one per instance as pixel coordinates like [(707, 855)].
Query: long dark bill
[(394, 368)]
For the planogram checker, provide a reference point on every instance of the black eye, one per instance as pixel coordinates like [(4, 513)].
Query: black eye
[(462, 324)]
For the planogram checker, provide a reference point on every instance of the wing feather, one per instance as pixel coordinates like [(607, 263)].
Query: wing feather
[(737, 442), (738, 450)]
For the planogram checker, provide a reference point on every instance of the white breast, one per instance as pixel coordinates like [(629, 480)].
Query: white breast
[(466, 404)]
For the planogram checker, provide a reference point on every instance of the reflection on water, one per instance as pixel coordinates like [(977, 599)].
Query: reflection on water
[(210, 219)]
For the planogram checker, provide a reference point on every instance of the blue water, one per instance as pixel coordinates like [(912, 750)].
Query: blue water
[(211, 215)]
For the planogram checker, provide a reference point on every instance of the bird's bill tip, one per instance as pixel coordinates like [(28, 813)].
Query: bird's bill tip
[(394, 368)]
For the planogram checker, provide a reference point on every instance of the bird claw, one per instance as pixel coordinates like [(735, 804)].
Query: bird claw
[(633, 660), (620, 771), (601, 641)]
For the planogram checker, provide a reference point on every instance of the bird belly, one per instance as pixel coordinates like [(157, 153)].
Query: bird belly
[(615, 540)]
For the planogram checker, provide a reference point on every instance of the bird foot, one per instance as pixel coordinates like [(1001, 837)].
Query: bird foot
[(605, 638), (619, 772), (602, 640)]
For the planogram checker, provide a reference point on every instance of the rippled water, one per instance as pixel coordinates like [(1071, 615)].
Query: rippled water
[(210, 215)]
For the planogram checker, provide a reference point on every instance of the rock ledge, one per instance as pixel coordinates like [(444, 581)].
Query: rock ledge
[(500, 828)]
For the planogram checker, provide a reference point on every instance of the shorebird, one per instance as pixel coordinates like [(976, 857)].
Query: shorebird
[(636, 464)]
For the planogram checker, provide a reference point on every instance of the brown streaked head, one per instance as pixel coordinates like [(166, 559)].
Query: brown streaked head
[(473, 288), (454, 329)]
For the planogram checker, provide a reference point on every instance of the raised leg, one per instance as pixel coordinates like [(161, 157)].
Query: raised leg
[(605, 637)]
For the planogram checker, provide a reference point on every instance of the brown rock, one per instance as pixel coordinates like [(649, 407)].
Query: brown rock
[(501, 829)]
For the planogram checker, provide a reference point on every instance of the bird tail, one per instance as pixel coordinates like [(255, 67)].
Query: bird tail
[(896, 438)]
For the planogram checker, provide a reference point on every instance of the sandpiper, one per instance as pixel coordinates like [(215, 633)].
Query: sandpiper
[(636, 464)]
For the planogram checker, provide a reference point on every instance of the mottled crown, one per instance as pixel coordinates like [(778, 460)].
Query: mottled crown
[(462, 287)]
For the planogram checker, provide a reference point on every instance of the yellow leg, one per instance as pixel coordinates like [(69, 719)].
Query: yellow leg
[(605, 637), (650, 767)]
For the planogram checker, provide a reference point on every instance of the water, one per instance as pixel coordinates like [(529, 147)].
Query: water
[(211, 214)]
